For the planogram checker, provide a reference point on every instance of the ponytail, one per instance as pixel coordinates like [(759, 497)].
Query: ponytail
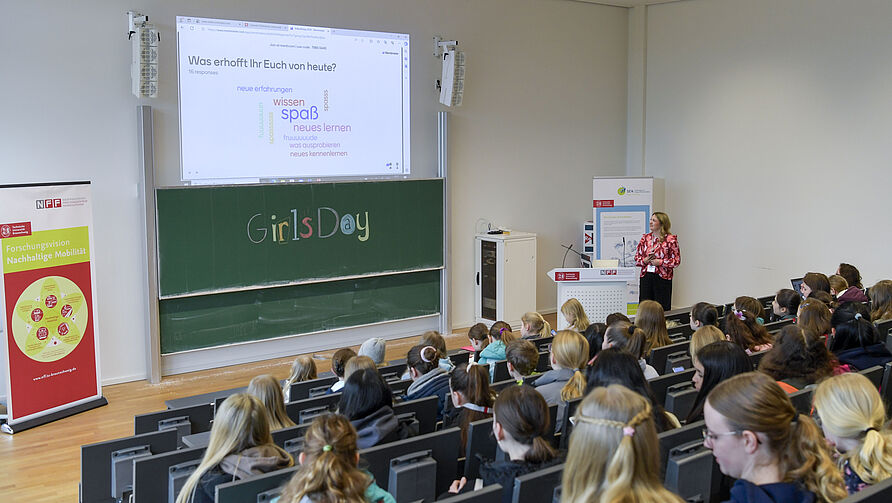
[(522, 413), (537, 324), (574, 388), (472, 381), (873, 462), (806, 458), (624, 335)]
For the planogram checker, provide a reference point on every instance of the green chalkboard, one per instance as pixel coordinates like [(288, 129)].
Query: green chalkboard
[(221, 239), (213, 320)]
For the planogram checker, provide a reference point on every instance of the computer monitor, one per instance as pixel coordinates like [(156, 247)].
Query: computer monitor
[(538, 486), (184, 421), (245, 491), (444, 447), (96, 461), (150, 473)]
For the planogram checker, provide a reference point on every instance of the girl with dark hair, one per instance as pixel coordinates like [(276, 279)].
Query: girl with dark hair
[(328, 467), (855, 340), (851, 274), (750, 305), (758, 438), (715, 363), (814, 316), (881, 301), (499, 336), (742, 329), (624, 335), (519, 426), (338, 365), (522, 357), (617, 366), (368, 403), (703, 314), (471, 399), (594, 334), (798, 359), (813, 282), (478, 336), (785, 305), (429, 379)]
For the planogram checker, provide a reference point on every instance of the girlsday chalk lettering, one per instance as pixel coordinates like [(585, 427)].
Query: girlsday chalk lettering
[(295, 226)]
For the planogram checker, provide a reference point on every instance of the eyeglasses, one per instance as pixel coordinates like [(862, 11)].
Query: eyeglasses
[(711, 437)]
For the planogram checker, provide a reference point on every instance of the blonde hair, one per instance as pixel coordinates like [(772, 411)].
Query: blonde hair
[(651, 319), (851, 407), (665, 223), (537, 323), (573, 310), (266, 389), (328, 472), (302, 369), (755, 402), (881, 301), (570, 350), (611, 457), (704, 336), (838, 284), (240, 423), (358, 363)]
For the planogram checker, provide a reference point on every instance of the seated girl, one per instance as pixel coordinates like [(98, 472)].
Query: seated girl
[(478, 337), (472, 399), (651, 319), (519, 426), (785, 305), (303, 369), (814, 316), (624, 335), (499, 336), (523, 357), (433, 338), (743, 329), (618, 366), (565, 381), (797, 360), (703, 337), (533, 326), (613, 448), (428, 378), (338, 365), (715, 363), (814, 282), (758, 438), (881, 301), (855, 340), (367, 403), (751, 305), (240, 447), (853, 418), (266, 389), (575, 316), (328, 467), (594, 334), (703, 314)]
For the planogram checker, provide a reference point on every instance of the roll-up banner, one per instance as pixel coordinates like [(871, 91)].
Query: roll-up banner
[(621, 210), (48, 296)]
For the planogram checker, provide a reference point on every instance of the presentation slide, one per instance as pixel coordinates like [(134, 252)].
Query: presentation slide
[(263, 102)]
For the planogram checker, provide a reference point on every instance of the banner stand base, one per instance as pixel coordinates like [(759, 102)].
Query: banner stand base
[(55, 416)]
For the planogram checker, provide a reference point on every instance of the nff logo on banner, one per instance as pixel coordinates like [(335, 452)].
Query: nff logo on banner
[(608, 272), (48, 203)]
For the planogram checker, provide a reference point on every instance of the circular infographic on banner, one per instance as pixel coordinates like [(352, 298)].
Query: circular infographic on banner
[(51, 316)]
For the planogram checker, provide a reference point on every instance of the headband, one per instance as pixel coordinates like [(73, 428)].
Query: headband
[(421, 353), (627, 428)]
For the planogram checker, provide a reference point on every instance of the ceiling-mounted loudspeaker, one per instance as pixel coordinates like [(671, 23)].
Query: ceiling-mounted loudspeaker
[(452, 82)]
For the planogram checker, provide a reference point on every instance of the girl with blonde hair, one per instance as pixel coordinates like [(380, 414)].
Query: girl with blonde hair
[(612, 451), (240, 446), (565, 381), (652, 320), (358, 363), (534, 326), (575, 315), (703, 337), (302, 369), (852, 417), (328, 467), (758, 437), (266, 389)]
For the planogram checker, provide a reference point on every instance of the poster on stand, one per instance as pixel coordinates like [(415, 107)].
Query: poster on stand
[(48, 297), (621, 209)]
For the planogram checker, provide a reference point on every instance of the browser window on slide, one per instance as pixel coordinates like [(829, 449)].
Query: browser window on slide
[(270, 102)]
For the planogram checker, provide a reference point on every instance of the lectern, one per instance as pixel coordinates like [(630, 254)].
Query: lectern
[(600, 290)]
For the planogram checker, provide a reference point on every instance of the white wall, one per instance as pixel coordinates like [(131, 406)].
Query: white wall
[(771, 123), (544, 111)]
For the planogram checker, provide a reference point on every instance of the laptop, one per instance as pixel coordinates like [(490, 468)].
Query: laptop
[(797, 282)]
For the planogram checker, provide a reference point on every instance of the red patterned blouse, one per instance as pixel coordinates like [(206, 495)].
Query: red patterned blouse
[(664, 249)]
